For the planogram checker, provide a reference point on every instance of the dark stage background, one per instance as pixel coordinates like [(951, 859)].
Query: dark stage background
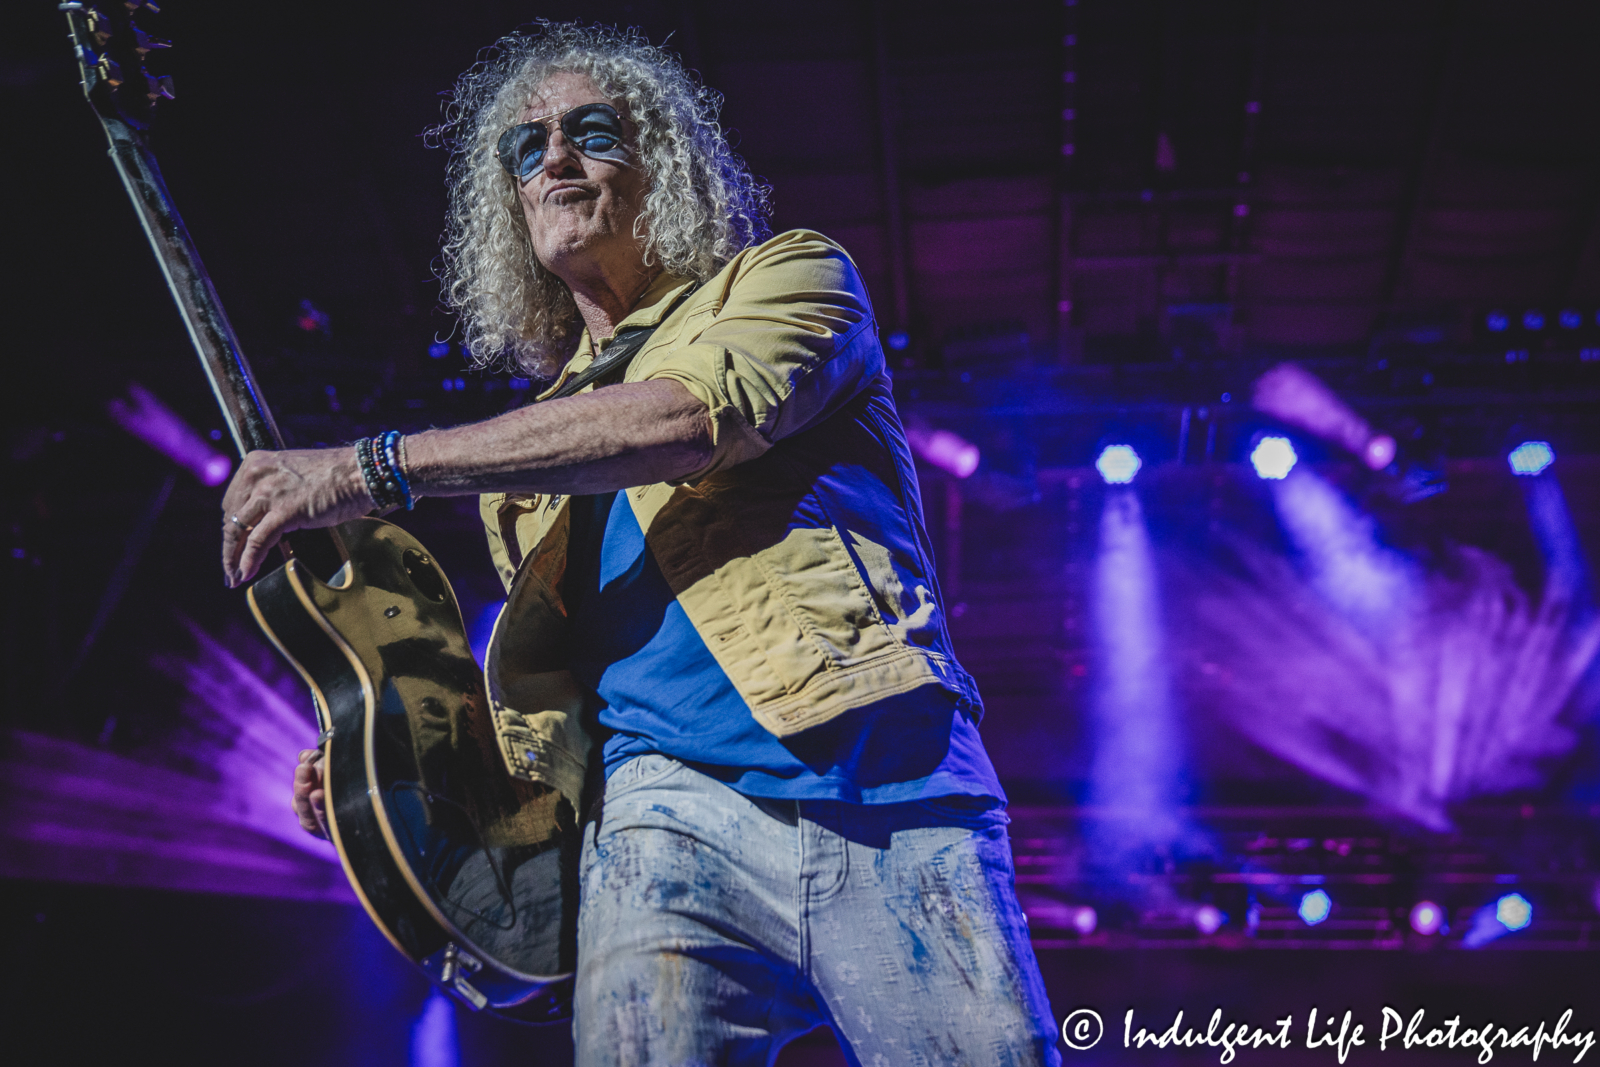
[(1211, 694)]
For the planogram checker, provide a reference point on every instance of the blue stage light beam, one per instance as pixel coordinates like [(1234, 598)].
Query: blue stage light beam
[(1372, 585), (1567, 578), (434, 1042), (1531, 458), (1135, 772), (1509, 914), (1273, 458), (1118, 464), (1514, 912), (1315, 907)]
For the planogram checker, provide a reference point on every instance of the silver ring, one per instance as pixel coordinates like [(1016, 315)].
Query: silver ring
[(245, 526)]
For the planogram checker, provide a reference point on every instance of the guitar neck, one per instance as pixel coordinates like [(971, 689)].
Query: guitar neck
[(244, 410), (250, 423), (95, 38)]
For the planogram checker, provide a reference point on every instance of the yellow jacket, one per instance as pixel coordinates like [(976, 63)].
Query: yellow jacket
[(798, 552)]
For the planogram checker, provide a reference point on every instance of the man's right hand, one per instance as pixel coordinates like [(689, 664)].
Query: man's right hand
[(310, 799)]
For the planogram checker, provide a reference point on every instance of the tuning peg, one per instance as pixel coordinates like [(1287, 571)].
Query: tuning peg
[(144, 44), (99, 27), (157, 88), (109, 72)]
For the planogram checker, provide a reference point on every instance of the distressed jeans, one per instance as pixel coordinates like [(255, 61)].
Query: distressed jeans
[(715, 927)]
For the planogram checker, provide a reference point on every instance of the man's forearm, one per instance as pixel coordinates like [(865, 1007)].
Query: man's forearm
[(613, 438)]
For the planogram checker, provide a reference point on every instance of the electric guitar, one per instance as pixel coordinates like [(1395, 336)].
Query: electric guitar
[(472, 874)]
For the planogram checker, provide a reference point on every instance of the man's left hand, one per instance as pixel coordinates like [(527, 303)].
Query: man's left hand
[(275, 492)]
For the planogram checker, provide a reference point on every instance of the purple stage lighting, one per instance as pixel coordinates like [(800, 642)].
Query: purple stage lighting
[(1209, 919), (1497, 322), (1571, 319), (1533, 320), (1531, 458), (1513, 912), (1296, 397), (1273, 458), (1118, 464), (1426, 918), (1137, 759), (1085, 919), (1314, 907), (1369, 584), (433, 1036), (147, 418), (951, 453), (899, 340)]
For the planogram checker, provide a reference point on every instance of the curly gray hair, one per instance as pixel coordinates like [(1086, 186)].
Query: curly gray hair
[(703, 205)]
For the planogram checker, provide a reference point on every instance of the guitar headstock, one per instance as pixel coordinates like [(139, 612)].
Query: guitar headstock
[(114, 58)]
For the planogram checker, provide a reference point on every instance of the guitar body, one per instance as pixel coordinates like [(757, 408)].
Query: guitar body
[(470, 873)]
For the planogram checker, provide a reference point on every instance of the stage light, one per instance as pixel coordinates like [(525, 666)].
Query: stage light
[(1209, 919), (1571, 319), (1533, 320), (1118, 464), (899, 340), (1314, 907), (434, 1041), (144, 415), (1513, 912), (1497, 322), (1084, 920), (950, 452), (1531, 458), (1426, 918), (439, 349), (1273, 458)]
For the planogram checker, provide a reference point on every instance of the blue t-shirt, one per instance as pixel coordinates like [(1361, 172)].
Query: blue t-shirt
[(661, 691)]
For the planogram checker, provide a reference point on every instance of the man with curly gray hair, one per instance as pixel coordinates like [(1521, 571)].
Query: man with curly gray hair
[(714, 507)]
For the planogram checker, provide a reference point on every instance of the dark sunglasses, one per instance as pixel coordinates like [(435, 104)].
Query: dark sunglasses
[(593, 129)]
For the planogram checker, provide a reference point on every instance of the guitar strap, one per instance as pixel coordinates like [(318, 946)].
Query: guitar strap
[(620, 352)]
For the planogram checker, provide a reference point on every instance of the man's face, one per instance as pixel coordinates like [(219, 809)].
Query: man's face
[(581, 211)]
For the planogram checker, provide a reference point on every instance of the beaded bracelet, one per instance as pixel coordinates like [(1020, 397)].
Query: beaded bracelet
[(383, 469), (392, 444)]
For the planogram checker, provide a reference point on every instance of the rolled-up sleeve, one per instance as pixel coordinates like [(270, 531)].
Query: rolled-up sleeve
[(787, 338)]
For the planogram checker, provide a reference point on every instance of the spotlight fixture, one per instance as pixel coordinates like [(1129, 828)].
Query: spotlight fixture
[(1209, 919), (1314, 907), (1497, 322), (1118, 464), (1273, 458), (1513, 912), (1531, 458), (1571, 318), (1085, 920), (1427, 918), (1533, 319)]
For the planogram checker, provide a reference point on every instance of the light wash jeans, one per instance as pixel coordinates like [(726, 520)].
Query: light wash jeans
[(714, 927)]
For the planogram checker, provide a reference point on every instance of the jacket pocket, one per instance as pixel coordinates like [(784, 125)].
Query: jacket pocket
[(813, 577)]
